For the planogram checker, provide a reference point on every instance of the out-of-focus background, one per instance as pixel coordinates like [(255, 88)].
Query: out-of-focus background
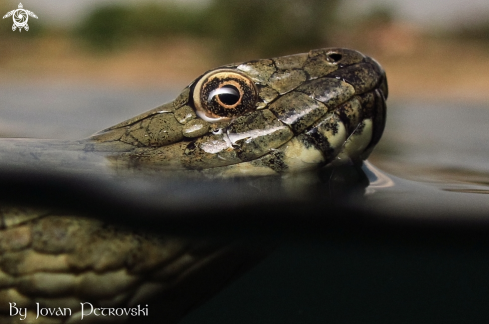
[(430, 49), (86, 64)]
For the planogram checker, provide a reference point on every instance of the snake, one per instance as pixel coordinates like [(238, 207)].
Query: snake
[(266, 117)]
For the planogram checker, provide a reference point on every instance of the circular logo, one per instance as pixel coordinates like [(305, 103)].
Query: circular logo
[(20, 18)]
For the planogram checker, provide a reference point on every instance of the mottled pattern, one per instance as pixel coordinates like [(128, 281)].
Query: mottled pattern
[(322, 108), (284, 81), (298, 110), (256, 134), (195, 128), (184, 114), (296, 95)]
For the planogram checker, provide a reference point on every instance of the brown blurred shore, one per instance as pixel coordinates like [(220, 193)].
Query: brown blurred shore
[(417, 67)]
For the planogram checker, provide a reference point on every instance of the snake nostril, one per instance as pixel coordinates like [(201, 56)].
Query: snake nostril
[(334, 57)]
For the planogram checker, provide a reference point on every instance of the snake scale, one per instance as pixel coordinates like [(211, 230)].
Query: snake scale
[(262, 117)]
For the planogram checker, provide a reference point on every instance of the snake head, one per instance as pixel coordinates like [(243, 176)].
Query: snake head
[(289, 113)]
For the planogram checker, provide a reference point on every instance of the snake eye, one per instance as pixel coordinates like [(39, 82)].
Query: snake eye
[(224, 93)]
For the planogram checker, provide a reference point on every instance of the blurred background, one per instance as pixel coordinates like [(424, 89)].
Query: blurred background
[(86, 64), (429, 48)]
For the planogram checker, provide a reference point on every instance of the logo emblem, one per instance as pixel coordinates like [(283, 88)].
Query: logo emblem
[(20, 17)]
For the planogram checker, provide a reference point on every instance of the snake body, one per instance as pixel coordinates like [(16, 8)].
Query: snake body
[(263, 117)]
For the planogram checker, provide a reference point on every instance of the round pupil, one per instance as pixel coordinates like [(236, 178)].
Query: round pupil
[(228, 94)]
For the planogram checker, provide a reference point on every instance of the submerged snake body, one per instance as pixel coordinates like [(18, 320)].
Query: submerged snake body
[(263, 117)]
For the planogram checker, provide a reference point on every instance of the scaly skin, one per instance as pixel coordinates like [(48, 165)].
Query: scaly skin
[(302, 112)]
